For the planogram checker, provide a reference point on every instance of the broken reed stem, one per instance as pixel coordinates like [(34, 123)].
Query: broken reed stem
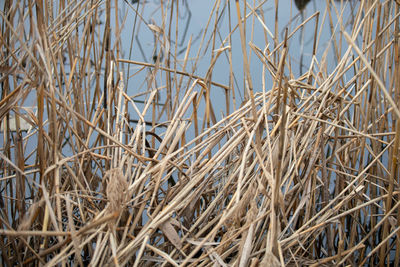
[(246, 67), (275, 201)]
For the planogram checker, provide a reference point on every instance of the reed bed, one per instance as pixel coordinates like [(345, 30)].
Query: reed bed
[(300, 171)]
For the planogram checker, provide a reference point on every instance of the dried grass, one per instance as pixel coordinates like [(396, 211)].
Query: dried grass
[(304, 172)]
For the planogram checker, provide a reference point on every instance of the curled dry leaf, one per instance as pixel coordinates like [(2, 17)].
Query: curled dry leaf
[(172, 235), (155, 28)]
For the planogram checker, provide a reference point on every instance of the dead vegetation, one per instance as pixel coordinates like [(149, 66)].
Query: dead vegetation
[(302, 172)]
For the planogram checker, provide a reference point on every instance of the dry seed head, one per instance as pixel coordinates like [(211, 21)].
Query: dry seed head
[(117, 189)]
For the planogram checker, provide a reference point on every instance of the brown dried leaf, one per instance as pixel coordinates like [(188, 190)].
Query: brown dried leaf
[(172, 235)]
